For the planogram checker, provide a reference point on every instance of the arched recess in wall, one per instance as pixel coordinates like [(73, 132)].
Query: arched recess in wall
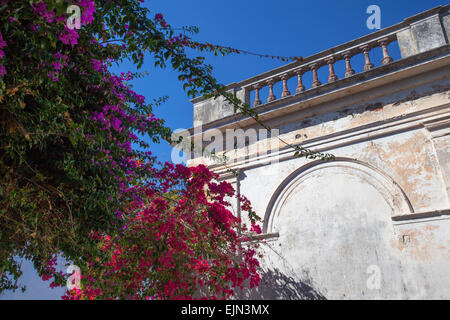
[(388, 188)]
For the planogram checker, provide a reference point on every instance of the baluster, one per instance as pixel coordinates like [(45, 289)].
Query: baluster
[(332, 77), (271, 96), (348, 68), (286, 91), (316, 81), (300, 86), (386, 58), (368, 65), (257, 101)]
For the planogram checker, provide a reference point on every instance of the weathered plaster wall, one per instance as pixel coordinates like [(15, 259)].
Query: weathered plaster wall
[(339, 222), (335, 223), (344, 223)]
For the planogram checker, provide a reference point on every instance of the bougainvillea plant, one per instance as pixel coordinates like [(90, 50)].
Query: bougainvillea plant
[(181, 242), (78, 179)]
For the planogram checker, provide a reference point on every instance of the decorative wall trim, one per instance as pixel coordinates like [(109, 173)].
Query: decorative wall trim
[(326, 143), (263, 236), (388, 188), (421, 217)]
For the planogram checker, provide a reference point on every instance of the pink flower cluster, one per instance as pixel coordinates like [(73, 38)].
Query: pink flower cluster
[(67, 36), (41, 9), (2, 55), (160, 19), (87, 15), (180, 39), (184, 246)]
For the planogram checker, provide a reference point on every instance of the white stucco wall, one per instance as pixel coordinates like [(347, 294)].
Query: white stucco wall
[(374, 223), (378, 212)]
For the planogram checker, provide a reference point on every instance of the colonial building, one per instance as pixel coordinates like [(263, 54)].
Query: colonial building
[(375, 222)]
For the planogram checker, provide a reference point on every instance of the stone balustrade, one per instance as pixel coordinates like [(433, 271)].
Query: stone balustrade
[(420, 33), (315, 65)]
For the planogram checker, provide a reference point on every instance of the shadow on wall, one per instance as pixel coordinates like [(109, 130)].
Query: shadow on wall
[(275, 285)]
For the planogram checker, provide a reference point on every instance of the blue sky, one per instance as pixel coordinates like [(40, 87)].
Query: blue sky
[(285, 28)]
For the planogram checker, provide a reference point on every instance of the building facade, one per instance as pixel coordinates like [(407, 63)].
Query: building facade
[(374, 223)]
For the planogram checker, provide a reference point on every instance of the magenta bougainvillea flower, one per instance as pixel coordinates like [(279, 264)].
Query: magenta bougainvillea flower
[(69, 36), (3, 71), (2, 41)]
